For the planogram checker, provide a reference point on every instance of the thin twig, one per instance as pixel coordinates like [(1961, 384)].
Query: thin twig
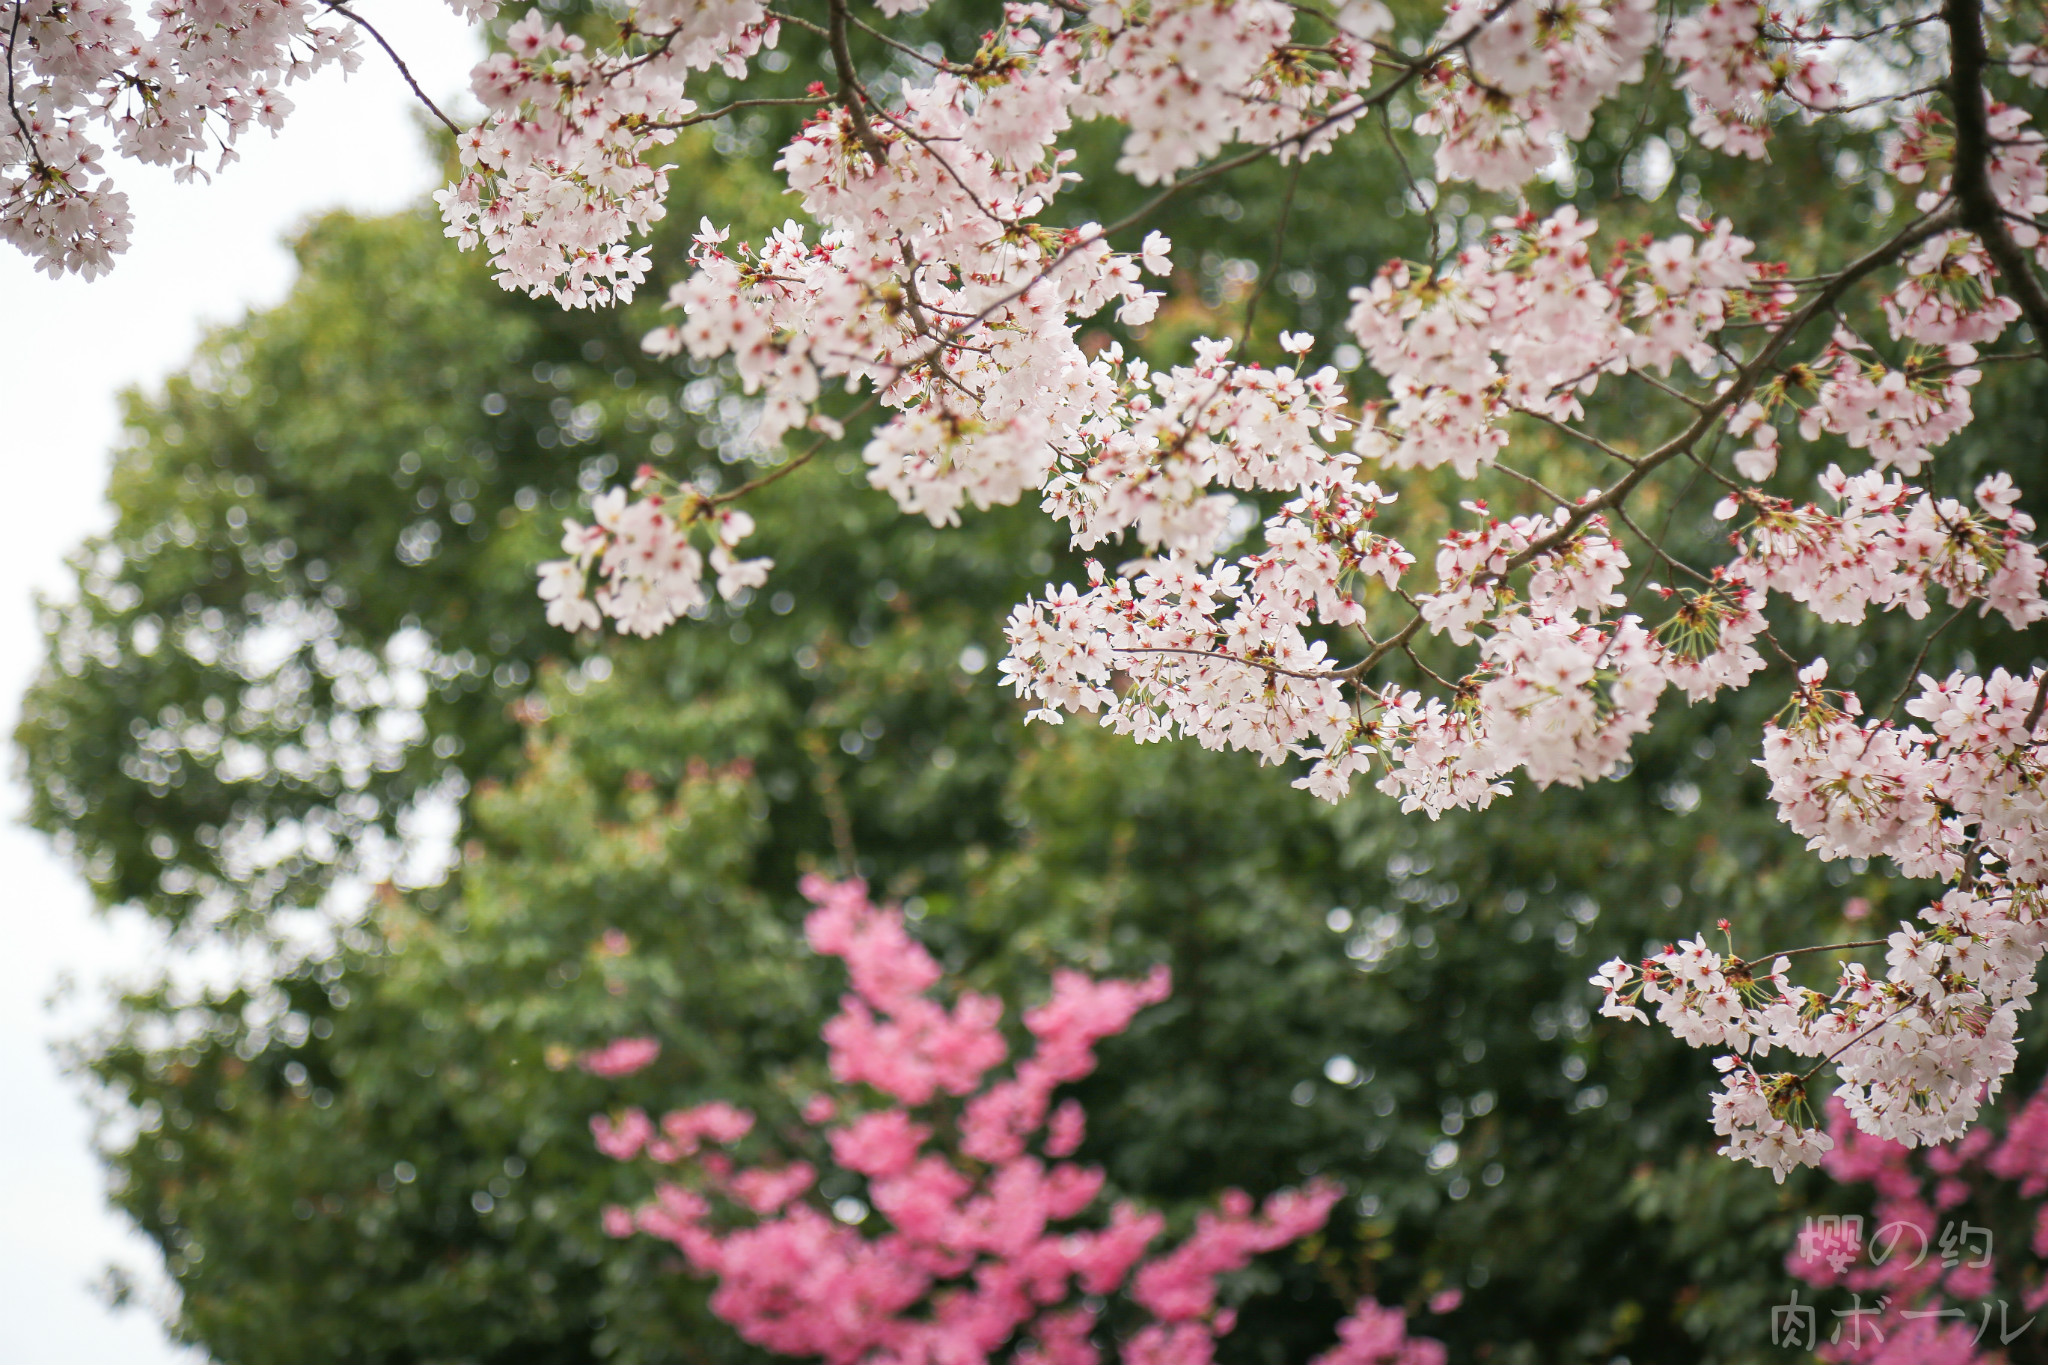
[(28, 139), (1913, 670), (1558, 498), (1337, 675), (1862, 104), (781, 471), (1851, 1043), (1251, 306), (1654, 382), (1577, 435), (1414, 189), (939, 64), (713, 115), (389, 51), (1416, 659), (1818, 948), (1670, 562), (834, 801)]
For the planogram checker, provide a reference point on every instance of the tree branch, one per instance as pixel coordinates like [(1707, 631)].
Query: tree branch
[(1745, 382), (28, 139), (1980, 211), (366, 26), (849, 92)]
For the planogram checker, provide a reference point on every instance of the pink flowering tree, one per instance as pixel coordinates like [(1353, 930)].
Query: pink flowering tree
[(926, 1205), (1267, 591), (1949, 1264)]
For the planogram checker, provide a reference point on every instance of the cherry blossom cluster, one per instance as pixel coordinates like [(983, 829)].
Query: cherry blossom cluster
[(1531, 77), (1885, 545), (936, 282), (1733, 56), (1919, 1049), (1525, 322), (179, 91), (1930, 1271), (1229, 654), (1922, 152), (559, 178), (931, 285), (1916, 1051), (1900, 415), (973, 1233), (933, 302), (646, 568), (1190, 80)]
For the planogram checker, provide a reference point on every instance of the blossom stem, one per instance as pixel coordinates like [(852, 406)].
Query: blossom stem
[(1823, 948), (366, 26)]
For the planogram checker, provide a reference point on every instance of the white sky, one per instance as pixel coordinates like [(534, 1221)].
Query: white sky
[(202, 255)]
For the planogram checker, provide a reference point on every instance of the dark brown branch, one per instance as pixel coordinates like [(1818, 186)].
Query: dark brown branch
[(850, 93), (28, 139), (1399, 640), (1980, 212), (1745, 382)]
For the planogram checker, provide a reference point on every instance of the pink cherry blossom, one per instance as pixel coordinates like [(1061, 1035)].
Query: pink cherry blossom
[(955, 1254), (621, 1057)]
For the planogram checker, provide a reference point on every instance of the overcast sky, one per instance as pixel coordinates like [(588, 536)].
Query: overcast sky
[(202, 255)]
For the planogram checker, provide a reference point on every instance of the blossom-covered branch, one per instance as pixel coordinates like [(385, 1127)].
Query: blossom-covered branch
[(935, 275)]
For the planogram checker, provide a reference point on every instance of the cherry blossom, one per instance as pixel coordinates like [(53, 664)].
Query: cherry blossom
[(1260, 575), (1920, 1049), (621, 1057), (953, 1253), (1733, 57)]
